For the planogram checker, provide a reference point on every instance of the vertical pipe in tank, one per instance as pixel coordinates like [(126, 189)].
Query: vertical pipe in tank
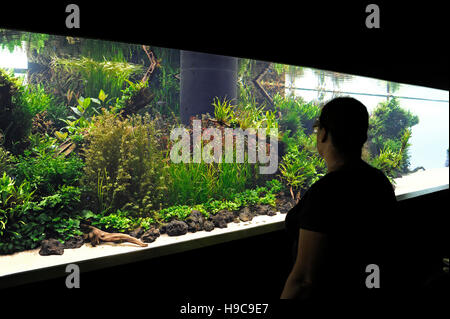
[(204, 77)]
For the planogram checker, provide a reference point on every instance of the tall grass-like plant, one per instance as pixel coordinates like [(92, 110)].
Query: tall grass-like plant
[(107, 75), (194, 183)]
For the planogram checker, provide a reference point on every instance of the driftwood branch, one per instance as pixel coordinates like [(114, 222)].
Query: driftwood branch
[(153, 63), (95, 236)]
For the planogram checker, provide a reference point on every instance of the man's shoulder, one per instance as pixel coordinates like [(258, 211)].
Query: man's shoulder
[(352, 178)]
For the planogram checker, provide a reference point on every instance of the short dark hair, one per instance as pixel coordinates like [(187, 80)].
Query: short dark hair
[(347, 120)]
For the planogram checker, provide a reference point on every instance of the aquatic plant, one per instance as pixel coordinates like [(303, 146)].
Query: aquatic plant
[(166, 89), (107, 75), (13, 200), (15, 118), (223, 110), (100, 50), (41, 124), (5, 160), (295, 114), (390, 158), (300, 169), (260, 195), (117, 222), (44, 169), (77, 124), (39, 200), (32, 218), (124, 154), (11, 39), (134, 98), (193, 183), (387, 126)]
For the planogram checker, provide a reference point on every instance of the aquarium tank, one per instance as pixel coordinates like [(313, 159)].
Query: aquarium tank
[(148, 142)]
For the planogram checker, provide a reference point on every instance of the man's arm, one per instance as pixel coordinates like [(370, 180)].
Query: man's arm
[(310, 258)]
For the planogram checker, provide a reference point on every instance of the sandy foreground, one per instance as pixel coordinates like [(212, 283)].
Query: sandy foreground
[(31, 260)]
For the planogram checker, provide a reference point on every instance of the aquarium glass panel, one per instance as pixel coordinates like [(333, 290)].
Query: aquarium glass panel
[(147, 142)]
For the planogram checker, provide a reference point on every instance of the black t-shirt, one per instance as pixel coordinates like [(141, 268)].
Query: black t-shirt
[(355, 206)]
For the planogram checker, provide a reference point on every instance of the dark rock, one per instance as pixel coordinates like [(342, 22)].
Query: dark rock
[(236, 213), (228, 216), (244, 210), (267, 210), (195, 221), (74, 242), (150, 235), (271, 212), (208, 225), (136, 233), (285, 204), (245, 216), (261, 210), (51, 247), (163, 229), (176, 228), (219, 220)]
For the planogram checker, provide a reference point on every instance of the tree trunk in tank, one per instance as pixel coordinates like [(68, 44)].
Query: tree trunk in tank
[(204, 77)]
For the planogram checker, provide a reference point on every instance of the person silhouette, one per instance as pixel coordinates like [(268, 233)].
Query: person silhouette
[(343, 226)]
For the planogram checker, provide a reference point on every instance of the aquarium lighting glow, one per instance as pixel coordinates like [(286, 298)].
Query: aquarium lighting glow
[(13, 60)]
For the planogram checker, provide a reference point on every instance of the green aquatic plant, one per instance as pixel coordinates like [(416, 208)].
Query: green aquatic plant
[(5, 160), (15, 118), (27, 218), (124, 154), (44, 169), (166, 90), (78, 124), (296, 114), (107, 75), (300, 169), (390, 158), (387, 126), (14, 200), (12, 39), (223, 110), (35, 99), (193, 183), (260, 195), (180, 212), (115, 222), (134, 98)]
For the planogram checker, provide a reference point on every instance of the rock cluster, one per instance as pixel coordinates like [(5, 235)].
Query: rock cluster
[(196, 221)]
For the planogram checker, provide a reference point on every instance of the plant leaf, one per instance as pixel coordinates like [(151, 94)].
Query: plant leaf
[(102, 96)]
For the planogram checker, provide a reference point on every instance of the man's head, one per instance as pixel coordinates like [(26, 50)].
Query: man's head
[(342, 125)]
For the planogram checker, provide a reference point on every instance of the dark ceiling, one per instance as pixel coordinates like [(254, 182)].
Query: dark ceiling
[(410, 46)]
